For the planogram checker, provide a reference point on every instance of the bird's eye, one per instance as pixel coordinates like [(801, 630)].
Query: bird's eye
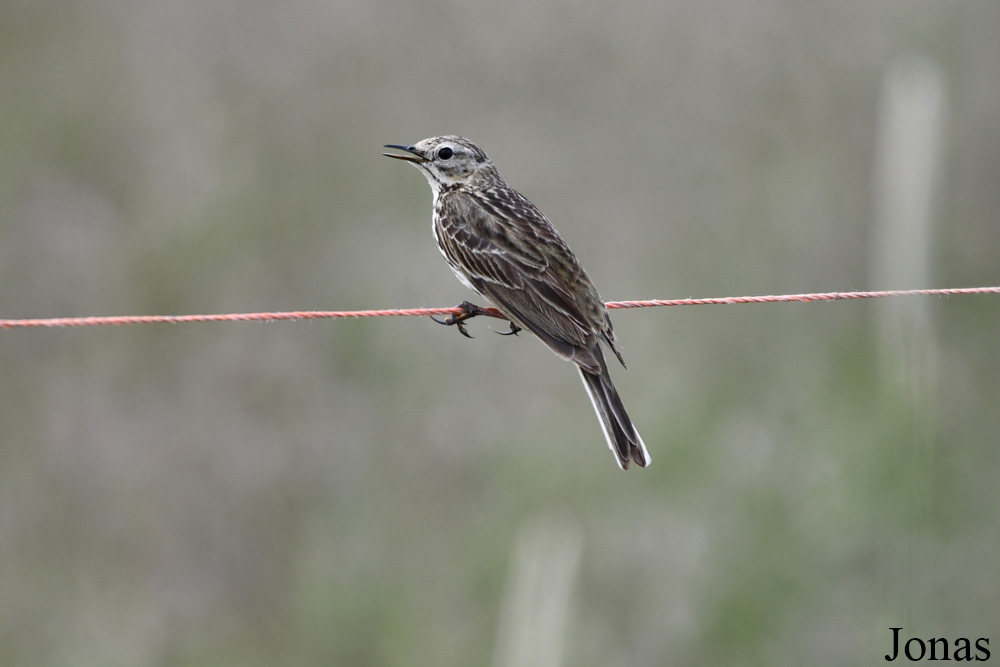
[(445, 153)]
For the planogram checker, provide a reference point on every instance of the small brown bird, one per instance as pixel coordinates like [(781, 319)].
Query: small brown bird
[(503, 248)]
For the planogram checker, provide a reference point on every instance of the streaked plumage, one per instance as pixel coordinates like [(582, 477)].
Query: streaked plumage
[(503, 248)]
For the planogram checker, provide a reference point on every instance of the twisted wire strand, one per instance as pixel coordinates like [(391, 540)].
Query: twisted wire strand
[(122, 320)]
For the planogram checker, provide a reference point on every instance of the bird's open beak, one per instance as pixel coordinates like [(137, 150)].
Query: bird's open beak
[(414, 156)]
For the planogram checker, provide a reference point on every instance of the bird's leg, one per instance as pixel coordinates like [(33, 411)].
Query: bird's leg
[(469, 310)]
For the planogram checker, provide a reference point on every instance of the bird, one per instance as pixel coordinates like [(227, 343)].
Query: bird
[(502, 247)]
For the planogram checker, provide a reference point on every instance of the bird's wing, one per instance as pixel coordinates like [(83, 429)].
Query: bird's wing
[(516, 259)]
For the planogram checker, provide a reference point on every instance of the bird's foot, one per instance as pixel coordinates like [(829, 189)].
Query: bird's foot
[(469, 310), (514, 329)]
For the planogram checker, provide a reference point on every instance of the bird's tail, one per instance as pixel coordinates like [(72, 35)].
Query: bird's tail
[(622, 437)]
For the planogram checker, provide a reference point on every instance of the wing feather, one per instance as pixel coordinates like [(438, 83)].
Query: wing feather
[(500, 253)]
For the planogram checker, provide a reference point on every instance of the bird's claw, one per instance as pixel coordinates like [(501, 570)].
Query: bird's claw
[(514, 330), (469, 310), (450, 320)]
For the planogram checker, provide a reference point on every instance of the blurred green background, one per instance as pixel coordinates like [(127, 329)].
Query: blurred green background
[(385, 492)]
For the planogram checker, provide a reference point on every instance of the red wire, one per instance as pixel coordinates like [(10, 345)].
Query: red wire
[(120, 320)]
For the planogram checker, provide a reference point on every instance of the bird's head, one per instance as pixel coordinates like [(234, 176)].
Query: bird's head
[(446, 161)]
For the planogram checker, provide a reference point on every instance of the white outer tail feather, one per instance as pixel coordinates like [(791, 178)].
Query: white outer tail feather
[(608, 436)]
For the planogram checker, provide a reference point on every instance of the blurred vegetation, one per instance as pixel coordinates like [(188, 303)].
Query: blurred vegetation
[(351, 492)]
